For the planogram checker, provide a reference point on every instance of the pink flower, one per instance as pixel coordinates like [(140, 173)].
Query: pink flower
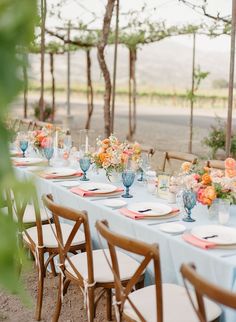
[(46, 142)]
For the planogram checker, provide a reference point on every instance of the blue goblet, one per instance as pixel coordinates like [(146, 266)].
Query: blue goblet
[(24, 146), (84, 165), (128, 179), (48, 152), (189, 200), (141, 175)]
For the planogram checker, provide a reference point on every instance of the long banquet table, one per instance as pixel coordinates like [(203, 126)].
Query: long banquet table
[(173, 249)]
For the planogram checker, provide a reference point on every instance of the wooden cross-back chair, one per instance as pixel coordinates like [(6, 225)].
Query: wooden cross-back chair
[(26, 125), (216, 164), (159, 302), (177, 156), (202, 287), (40, 240), (88, 270)]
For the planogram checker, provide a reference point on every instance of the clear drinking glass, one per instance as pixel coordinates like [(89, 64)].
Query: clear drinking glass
[(224, 208), (128, 179)]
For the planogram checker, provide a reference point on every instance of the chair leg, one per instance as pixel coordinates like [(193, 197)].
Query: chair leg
[(53, 269), (109, 304), (66, 285), (91, 307), (59, 300), (40, 294)]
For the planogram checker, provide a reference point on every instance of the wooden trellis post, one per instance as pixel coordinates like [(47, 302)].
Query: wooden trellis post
[(231, 81), (43, 21), (132, 92), (25, 77), (51, 56), (190, 147), (89, 90)]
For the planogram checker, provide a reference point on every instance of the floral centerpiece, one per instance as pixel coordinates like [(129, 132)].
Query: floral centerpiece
[(113, 155), (40, 138), (209, 184)]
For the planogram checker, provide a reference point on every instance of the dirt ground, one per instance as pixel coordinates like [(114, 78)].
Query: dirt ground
[(13, 310)]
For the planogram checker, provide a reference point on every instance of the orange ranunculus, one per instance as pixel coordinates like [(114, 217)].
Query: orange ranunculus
[(230, 163), (206, 179), (106, 141), (103, 157), (49, 126), (230, 173), (186, 166), (210, 193)]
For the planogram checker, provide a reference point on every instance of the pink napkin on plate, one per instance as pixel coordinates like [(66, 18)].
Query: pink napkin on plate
[(85, 193), (20, 164), (135, 215), (204, 244), (56, 176)]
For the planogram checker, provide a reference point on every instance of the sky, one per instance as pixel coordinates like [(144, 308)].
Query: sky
[(172, 11)]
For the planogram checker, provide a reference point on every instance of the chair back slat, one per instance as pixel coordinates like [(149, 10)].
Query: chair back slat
[(149, 252), (79, 218), (216, 164), (178, 156), (202, 288)]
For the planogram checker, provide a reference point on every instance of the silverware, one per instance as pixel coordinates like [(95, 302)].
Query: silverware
[(162, 222), (208, 237), (144, 210), (103, 198)]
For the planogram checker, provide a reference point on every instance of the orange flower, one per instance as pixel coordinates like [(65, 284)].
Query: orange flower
[(106, 141), (230, 163), (206, 179), (210, 193), (206, 169), (186, 166), (49, 126), (103, 157)]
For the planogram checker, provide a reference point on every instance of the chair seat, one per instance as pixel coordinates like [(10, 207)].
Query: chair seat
[(176, 305), (102, 271), (49, 239), (29, 215)]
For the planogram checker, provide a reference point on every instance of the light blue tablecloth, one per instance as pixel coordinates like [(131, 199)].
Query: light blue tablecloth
[(174, 251)]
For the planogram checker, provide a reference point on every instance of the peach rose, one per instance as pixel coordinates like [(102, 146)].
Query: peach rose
[(230, 173), (230, 163), (210, 192), (186, 166), (206, 179), (46, 142)]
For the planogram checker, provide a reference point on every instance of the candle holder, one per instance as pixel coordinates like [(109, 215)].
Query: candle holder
[(86, 140)]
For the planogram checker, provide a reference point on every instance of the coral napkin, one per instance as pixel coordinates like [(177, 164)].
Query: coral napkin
[(85, 193), (56, 176), (135, 215), (189, 238)]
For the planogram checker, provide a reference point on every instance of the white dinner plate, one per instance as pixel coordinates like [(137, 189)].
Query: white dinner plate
[(69, 184), (156, 208), (61, 172), (223, 235), (114, 203), (172, 228), (28, 160), (98, 187)]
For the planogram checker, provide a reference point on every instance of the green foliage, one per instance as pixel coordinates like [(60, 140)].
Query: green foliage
[(199, 76), (216, 139), (17, 20), (220, 83), (47, 113)]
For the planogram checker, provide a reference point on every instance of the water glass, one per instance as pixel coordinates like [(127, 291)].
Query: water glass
[(23, 146), (84, 165), (128, 179), (189, 200), (224, 208), (48, 152)]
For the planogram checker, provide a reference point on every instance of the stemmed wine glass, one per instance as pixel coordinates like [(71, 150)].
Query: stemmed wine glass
[(84, 165), (48, 148), (24, 146), (48, 152), (128, 179), (189, 200)]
